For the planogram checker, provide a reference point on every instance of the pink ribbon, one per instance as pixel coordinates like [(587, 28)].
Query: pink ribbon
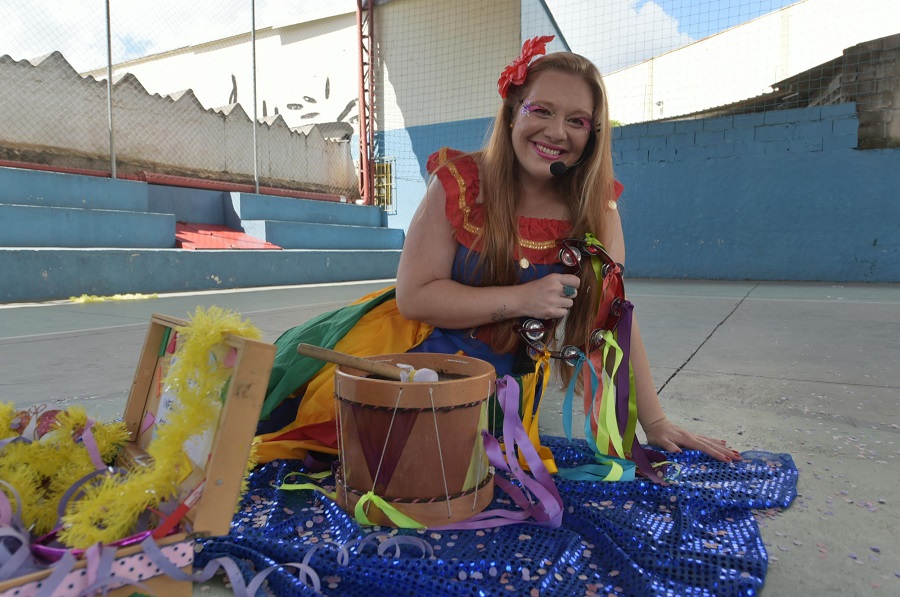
[(147, 423)]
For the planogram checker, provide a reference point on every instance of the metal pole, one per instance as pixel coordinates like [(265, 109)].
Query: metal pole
[(364, 33), (109, 100), (255, 122), (361, 103)]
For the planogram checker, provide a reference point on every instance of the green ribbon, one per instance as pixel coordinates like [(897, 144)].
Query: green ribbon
[(596, 265), (310, 486), (394, 515), (400, 519), (608, 469), (631, 424), (591, 240), (317, 476), (607, 427)]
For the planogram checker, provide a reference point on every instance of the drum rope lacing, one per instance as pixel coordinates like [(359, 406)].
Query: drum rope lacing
[(398, 500), (437, 434), (384, 448)]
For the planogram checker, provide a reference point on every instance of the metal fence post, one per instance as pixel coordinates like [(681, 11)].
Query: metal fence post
[(109, 98), (255, 121)]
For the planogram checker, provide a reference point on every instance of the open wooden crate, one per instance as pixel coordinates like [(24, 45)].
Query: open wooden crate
[(211, 489)]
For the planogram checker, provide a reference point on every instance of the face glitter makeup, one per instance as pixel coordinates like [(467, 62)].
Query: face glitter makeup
[(575, 123)]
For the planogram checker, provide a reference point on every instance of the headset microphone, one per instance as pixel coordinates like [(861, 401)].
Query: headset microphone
[(558, 168)]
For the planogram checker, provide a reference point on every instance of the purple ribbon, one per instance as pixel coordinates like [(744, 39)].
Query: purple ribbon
[(643, 458), (90, 444), (544, 506), (15, 554), (239, 587)]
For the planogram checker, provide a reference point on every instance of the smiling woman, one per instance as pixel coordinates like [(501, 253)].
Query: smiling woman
[(491, 268), (514, 257)]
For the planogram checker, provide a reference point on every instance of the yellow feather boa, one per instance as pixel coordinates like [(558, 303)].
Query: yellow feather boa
[(109, 509)]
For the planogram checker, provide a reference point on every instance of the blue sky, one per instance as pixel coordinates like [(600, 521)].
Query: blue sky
[(616, 34), (700, 19), (613, 33)]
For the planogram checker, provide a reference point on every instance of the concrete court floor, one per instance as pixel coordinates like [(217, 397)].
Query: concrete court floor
[(804, 368)]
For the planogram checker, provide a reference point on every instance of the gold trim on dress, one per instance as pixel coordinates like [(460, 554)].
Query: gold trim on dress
[(539, 246)]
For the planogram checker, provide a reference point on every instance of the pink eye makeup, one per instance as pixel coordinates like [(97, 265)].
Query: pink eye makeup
[(530, 108), (580, 122)]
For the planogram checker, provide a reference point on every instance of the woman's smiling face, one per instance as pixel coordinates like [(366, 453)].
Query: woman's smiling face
[(551, 123)]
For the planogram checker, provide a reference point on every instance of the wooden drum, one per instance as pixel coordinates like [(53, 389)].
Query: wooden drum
[(417, 445)]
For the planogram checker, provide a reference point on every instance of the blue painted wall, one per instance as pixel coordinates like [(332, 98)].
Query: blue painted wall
[(780, 195), (411, 147), (198, 206), (773, 196), (52, 189), (768, 196)]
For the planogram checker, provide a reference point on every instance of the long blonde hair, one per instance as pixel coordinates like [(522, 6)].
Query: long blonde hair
[(586, 190)]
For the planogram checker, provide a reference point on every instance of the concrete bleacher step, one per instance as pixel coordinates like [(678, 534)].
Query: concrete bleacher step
[(64, 235), (42, 274), (54, 189), (306, 235), (39, 226), (247, 206)]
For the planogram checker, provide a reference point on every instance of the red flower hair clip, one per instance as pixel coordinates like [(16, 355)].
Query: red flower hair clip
[(517, 70)]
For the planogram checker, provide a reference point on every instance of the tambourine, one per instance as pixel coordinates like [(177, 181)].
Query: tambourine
[(574, 254)]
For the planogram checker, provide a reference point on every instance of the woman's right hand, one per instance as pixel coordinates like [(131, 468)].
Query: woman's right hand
[(546, 298)]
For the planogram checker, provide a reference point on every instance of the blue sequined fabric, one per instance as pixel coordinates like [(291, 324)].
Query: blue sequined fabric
[(695, 537)]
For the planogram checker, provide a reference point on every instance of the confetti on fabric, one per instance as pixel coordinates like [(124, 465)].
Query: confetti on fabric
[(696, 537)]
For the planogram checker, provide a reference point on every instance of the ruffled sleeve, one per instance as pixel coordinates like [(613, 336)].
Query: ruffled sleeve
[(458, 175)]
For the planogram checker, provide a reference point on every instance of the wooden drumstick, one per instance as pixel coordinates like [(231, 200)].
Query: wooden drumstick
[(341, 358)]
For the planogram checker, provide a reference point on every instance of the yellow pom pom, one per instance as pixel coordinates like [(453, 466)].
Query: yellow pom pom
[(7, 412)]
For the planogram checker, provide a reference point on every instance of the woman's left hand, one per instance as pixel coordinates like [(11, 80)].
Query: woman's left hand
[(672, 438)]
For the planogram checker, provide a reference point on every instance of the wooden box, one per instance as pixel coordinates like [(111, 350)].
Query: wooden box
[(210, 492)]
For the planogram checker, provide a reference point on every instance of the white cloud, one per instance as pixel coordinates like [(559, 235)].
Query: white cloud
[(33, 28), (615, 34)]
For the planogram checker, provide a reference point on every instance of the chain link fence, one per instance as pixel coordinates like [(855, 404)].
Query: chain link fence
[(190, 80), (677, 59)]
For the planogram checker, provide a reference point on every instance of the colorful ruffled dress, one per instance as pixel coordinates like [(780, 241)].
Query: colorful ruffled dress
[(298, 415)]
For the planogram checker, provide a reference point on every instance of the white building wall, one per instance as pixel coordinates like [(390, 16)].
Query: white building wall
[(436, 62), (51, 108), (439, 61), (294, 63), (745, 61)]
